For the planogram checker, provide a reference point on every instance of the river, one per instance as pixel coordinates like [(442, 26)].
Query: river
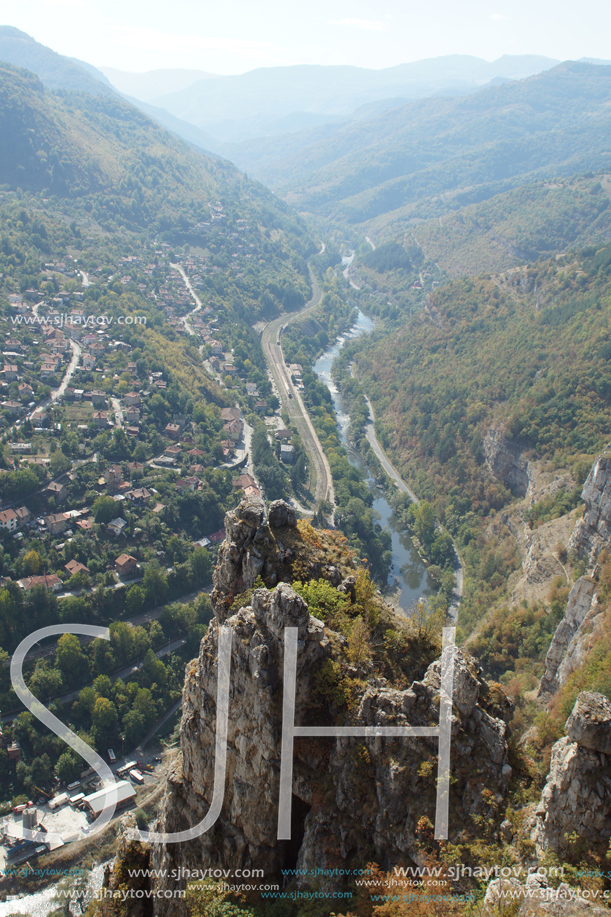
[(408, 575)]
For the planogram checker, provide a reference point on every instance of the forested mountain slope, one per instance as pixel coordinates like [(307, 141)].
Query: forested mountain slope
[(124, 171), (554, 123), (526, 352), (510, 228), (55, 70)]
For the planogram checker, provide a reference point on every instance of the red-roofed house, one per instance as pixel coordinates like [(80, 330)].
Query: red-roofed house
[(73, 566), (125, 564)]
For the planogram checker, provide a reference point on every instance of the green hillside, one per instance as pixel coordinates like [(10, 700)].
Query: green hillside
[(527, 351), (75, 143), (438, 154), (510, 228), (115, 169)]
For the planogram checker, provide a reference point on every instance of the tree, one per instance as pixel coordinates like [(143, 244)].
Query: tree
[(105, 721), (70, 659), (201, 566), (103, 658), (122, 640), (422, 517), (59, 463), (359, 642), (159, 408), (83, 706), (156, 635), (31, 563), (144, 704), (104, 509), (175, 549), (298, 471), (102, 685), (46, 681), (135, 599), (262, 453), (42, 770), (68, 767), (155, 584), (427, 619), (134, 727), (155, 669)]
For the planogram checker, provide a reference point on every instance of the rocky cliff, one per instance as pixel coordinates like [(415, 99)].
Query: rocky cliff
[(353, 798), (577, 795), (505, 462), (593, 531), (583, 617), (568, 642)]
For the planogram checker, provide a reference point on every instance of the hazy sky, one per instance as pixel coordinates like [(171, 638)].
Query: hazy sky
[(232, 36)]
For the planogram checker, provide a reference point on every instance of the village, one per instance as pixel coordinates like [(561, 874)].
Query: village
[(128, 410)]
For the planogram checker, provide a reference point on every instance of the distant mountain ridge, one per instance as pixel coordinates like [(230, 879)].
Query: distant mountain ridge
[(146, 87), (55, 70), (215, 104), (557, 122)]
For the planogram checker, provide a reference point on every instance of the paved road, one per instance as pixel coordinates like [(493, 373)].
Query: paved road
[(116, 406), (346, 272), (58, 392), (386, 465), (76, 353), (291, 399), (188, 326)]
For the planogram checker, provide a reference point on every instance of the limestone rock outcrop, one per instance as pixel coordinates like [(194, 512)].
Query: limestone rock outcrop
[(281, 514), (567, 635), (505, 462), (351, 795), (590, 722), (593, 531), (246, 832), (128, 879), (559, 902), (239, 561), (583, 641), (577, 795)]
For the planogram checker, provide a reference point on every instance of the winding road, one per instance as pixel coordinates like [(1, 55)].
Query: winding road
[(291, 399), (188, 326), (58, 392)]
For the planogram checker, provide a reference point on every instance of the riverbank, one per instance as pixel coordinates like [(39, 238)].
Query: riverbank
[(408, 580), (364, 442)]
